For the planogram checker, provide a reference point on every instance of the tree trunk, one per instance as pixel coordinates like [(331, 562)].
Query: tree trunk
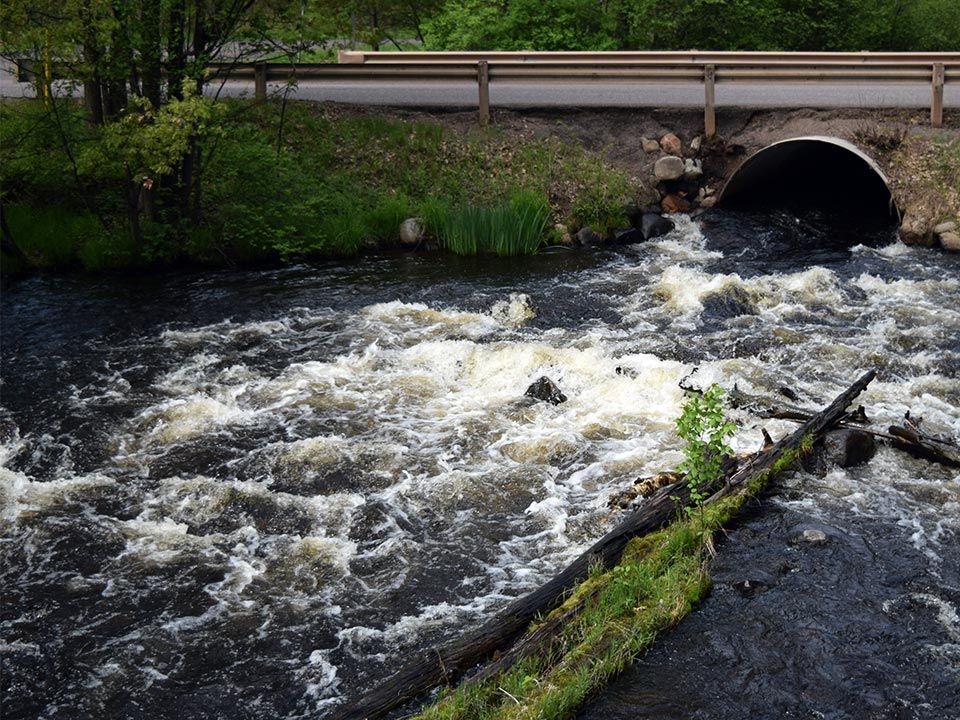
[(151, 53), (176, 58)]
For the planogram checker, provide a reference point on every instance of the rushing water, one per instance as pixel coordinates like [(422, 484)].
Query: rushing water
[(250, 494)]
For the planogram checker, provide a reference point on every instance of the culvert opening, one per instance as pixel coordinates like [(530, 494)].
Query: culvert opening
[(798, 203), (812, 173)]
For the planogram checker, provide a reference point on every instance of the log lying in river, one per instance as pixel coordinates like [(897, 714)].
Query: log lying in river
[(910, 438), (907, 437), (450, 662)]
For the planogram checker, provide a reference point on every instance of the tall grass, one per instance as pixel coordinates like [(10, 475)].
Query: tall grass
[(510, 229)]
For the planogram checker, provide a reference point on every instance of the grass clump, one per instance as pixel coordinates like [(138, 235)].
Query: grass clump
[(510, 229)]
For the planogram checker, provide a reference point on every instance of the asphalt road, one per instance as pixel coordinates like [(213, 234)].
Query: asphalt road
[(617, 95), (562, 94)]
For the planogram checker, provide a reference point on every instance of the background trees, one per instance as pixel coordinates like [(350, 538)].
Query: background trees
[(695, 24)]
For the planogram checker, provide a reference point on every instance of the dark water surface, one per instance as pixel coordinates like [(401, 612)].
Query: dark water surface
[(250, 494)]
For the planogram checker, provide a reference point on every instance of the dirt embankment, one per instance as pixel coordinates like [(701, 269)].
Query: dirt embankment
[(921, 163)]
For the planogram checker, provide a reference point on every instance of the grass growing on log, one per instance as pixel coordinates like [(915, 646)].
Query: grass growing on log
[(660, 578)]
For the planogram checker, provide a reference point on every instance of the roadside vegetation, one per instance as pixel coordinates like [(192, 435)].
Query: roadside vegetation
[(152, 167), (279, 183)]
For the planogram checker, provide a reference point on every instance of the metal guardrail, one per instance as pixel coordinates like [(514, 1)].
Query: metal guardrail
[(694, 67)]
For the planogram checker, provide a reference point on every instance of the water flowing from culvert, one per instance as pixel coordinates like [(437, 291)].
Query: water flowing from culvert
[(253, 493)]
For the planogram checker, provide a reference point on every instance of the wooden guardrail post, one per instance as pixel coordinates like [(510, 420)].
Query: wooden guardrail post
[(483, 84), (709, 101), (260, 81), (936, 105)]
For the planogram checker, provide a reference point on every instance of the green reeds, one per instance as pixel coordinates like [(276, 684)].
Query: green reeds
[(514, 228)]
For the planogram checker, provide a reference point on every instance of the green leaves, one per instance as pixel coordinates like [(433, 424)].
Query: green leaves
[(153, 142), (704, 427)]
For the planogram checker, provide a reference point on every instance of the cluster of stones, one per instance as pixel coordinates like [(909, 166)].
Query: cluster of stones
[(914, 230), (678, 178)]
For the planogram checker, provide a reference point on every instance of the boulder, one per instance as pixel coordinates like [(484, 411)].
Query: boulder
[(411, 232), (946, 233), (626, 236), (654, 225), (671, 144), (915, 231), (692, 170), (649, 145), (708, 202), (844, 448), (546, 390), (668, 168), (675, 204), (732, 301), (950, 241), (588, 237)]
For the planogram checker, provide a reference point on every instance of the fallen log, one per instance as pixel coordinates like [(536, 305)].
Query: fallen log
[(910, 438), (907, 437), (449, 663)]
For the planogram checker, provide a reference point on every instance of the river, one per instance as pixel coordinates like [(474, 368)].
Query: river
[(250, 494)]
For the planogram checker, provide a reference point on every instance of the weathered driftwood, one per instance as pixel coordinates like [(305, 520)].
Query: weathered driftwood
[(907, 437), (910, 438), (450, 662)]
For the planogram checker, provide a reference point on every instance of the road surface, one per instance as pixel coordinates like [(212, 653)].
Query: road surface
[(594, 94)]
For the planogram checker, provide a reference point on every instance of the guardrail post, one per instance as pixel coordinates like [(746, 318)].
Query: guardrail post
[(483, 83), (936, 105), (260, 81), (709, 101)]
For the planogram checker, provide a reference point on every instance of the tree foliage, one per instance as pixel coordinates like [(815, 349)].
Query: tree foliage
[(695, 24)]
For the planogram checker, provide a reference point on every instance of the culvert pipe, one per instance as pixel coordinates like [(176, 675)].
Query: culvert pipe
[(811, 172)]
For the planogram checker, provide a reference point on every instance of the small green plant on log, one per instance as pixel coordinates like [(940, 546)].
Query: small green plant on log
[(705, 428)]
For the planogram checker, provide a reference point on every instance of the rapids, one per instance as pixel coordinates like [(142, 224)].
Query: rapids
[(249, 494)]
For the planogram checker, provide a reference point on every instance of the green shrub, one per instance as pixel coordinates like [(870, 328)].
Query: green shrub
[(704, 427), (58, 237)]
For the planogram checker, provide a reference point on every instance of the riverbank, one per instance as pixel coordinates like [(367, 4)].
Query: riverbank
[(286, 182)]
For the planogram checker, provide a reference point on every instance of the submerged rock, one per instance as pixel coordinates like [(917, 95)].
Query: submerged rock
[(814, 537), (730, 302), (546, 390), (844, 448), (758, 583), (654, 225), (849, 448)]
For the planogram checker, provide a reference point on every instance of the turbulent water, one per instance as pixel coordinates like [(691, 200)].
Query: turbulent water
[(251, 494)]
